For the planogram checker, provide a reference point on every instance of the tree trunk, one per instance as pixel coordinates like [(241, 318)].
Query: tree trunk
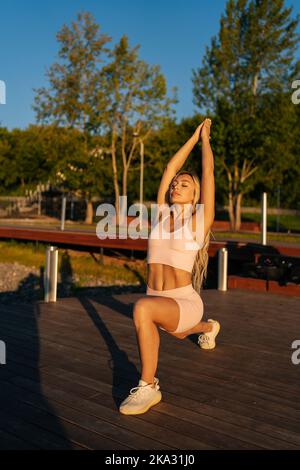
[(238, 211), (230, 197), (89, 211), (115, 175), (255, 84), (125, 174), (231, 211), (116, 188)]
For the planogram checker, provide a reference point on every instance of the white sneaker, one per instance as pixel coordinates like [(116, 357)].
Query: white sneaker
[(207, 340), (141, 398)]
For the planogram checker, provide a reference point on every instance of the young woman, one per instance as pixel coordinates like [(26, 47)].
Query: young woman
[(177, 266)]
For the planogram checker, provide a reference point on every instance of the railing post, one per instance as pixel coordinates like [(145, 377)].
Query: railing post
[(222, 269), (50, 278), (63, 212), (263, 223), (72, 209)]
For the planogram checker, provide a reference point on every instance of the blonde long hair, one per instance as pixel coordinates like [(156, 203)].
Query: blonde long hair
[(199, 272)]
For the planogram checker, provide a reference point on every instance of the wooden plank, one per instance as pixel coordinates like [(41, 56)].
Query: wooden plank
[(10, 442), (246, 352), (235, 377), (34, 410), (84, 413), (201, 419), (237, 249), (257, 320), (245, 391), (210, 394), (96, 384), (34, 436), (268, 360), (101, 357)]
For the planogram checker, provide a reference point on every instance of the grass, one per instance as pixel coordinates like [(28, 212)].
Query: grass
[(286, 222), (87, 269), (53, 225), (278, 237)]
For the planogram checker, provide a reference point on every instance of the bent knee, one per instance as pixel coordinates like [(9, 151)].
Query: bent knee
[(141, 311), (178, 335)]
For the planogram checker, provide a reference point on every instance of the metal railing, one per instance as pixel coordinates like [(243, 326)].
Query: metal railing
[(50, 277), (222, 268)]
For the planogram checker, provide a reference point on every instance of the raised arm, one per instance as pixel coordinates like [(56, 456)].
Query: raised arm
[(176, 163), (207, 195)]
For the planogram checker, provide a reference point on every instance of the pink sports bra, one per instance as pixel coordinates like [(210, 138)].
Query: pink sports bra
[(177, 248)]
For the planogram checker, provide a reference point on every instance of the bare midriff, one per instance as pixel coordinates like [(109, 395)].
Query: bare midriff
[(164, 277)]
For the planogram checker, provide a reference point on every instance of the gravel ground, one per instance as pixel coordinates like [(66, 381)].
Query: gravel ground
[(19, 283)]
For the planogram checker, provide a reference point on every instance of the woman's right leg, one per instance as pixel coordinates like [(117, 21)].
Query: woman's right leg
[(148, 313), (201, 327)]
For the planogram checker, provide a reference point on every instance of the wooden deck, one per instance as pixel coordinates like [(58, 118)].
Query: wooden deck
[(69, 365), (242, 250)]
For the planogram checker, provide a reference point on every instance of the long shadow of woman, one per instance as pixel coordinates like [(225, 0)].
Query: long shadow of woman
[(123, 370), (28, 421)]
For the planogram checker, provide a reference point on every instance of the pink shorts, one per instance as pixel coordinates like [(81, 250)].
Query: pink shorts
[(190, 305)]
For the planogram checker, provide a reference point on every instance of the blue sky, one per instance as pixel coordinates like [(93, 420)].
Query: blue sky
[(171, 33)]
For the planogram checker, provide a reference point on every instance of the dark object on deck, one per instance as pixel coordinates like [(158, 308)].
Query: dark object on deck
[(295, 274), (274, 267)]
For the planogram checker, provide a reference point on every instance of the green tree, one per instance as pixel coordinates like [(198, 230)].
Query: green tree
[(8, 168), (290, 187), (133, 95), (244, 74), (70, 99)]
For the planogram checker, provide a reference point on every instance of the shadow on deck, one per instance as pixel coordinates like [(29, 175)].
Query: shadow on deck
[(69, 364)]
